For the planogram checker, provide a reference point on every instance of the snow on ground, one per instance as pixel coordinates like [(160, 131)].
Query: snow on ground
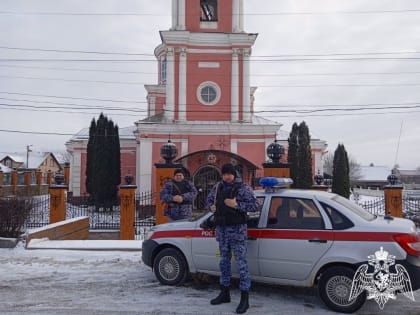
[(85, 282)]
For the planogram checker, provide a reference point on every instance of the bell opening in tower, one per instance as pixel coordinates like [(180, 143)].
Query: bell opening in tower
[(208, 10)]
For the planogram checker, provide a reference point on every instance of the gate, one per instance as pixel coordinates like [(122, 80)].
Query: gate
[(204, 179)]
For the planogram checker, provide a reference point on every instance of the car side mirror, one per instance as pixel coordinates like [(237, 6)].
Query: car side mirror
[(209, 223)]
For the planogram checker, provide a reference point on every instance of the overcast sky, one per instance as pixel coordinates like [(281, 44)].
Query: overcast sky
[(349, 69)]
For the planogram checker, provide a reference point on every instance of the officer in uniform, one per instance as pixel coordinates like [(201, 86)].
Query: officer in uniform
[(178, 194), (230, 200)]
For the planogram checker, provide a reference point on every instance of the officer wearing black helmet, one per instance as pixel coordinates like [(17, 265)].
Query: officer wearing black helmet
[(230, 200), (178, 194)]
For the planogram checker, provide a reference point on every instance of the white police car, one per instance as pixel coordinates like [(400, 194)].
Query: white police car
[(298, 237)]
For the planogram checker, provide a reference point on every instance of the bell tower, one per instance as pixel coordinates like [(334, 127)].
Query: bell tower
[(204, 67)]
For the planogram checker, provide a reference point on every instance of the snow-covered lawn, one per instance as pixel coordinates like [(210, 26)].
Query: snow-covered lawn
[(83, 282)]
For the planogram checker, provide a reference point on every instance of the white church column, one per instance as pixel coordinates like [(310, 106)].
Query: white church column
[(182, 109), (181, 15), (246, 96), (235, 87), (241, 15), (144, 165), (170, 84), (237, 16), (174, 14)]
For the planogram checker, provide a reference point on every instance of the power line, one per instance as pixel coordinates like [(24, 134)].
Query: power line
[(125, 14), (76, 51), (37, 132), (70, 80), (86, 106), (77, 69), (71, 97), (300, 116), (260, 86), (253, 75), (256, 56), (277, 109), (253, 59)]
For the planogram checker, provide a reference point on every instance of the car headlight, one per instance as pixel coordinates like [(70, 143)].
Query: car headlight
[(149, 234)]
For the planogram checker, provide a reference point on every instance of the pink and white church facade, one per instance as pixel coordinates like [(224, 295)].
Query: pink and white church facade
[(203, 102)]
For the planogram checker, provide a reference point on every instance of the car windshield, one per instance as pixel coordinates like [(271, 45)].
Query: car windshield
[(354, 208)]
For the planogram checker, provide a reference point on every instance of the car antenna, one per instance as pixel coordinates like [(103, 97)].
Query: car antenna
[(388, 217)]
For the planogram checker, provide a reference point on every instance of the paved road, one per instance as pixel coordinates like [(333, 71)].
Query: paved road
[(85, 282)]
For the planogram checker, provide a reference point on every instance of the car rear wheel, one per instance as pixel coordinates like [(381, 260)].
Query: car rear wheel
[(170, 267), (334, 289)]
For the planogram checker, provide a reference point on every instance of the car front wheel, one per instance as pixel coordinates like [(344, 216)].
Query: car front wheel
[(170, 267), (334, 289)]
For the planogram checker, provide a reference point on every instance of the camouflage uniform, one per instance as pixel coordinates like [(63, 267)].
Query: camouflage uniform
[(233, 238), (178, 211)]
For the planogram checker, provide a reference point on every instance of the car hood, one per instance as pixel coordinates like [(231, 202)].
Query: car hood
[(176, 225)]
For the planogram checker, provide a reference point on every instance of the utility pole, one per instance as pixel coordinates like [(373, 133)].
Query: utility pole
[(27, 154)]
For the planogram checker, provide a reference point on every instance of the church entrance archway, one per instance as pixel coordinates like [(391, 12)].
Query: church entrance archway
[(204, 167)]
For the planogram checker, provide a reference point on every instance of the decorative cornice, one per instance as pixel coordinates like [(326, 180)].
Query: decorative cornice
[(207, 39)]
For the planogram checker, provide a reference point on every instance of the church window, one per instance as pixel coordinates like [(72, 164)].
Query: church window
[(208, 93), (163, 70), (208, 10)]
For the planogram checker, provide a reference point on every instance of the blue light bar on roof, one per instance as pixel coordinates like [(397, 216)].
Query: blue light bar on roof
[(278, 182)]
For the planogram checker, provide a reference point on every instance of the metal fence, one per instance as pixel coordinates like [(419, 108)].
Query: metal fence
[(145, 216), (145, 211), (376, 206), (40, 213), (99, 218), (411, 208)]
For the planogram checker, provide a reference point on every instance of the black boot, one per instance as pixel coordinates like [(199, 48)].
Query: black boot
[(223, 297), (243, 304)]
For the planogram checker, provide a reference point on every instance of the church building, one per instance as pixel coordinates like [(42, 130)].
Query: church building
[(203, 103)]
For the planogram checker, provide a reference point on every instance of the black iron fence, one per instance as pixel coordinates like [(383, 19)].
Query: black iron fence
[(145, 216), (411, 208), (375, 206), (40, 212), (99, 217), (145, 211)]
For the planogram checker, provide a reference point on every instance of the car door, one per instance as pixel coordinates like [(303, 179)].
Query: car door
[(205, 248), (293, 239)]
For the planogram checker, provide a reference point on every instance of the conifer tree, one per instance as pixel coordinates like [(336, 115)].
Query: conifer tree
[(304, 157), (292, 153), (299, 156), (103, 165), (341, 178)]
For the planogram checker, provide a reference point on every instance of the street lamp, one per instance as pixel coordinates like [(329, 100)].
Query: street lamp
[(275, 151), (318, 178), (168, 152)]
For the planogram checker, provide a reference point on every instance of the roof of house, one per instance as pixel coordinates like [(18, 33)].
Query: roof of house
[(16, 157), (35, 159), (409, 172), (374, 173), (5, 169), (124, 133)]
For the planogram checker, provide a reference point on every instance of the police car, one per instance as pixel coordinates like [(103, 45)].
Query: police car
[(298, 237)]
